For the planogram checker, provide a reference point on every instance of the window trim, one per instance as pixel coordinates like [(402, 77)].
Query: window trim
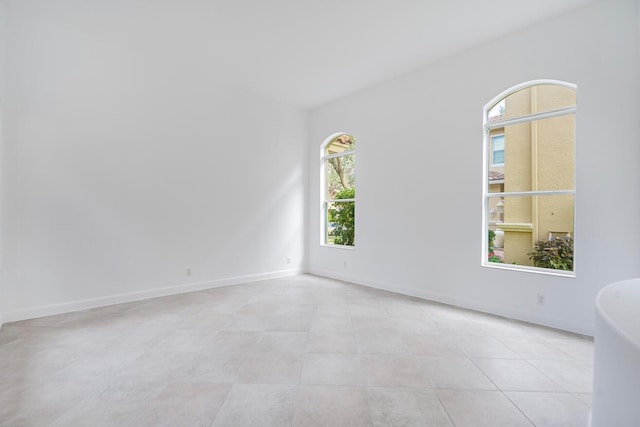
[(323, 187), (486, 164)]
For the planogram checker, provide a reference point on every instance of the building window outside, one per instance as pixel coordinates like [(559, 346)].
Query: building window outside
[(529, 189), (497, 150), (338, 182)]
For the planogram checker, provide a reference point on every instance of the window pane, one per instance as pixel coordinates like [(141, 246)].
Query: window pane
[(341, 178), (497, 111), (341, 144), (537, 156), (498, 142), (497, 149), (528, 227), (340, 223), (536, 99)]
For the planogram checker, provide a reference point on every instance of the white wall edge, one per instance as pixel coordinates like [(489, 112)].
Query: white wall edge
[(525, 316), (67, 307)]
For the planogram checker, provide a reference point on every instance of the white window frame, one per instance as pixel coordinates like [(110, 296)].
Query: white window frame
[(324, 200), (488, 126)]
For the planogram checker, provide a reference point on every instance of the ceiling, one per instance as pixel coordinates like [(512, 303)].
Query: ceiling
[(305, 53)]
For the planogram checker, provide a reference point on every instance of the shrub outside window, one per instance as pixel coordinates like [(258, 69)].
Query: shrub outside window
[(338, 190), (529, 178)]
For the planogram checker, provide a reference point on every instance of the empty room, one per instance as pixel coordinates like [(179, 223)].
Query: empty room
[(182, 242)]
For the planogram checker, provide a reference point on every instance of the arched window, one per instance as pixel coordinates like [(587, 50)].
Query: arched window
[(338, 181), (529, 178)]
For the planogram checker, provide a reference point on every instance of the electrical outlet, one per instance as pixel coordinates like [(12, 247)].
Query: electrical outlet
[(188, 271), (288, 260), (541, 299), (345, 264)]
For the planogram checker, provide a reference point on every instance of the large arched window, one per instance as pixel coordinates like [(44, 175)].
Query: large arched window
[(338, 181), (529, 178)]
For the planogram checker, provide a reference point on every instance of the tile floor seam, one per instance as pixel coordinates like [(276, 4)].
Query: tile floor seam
[(510, 348), (518, 408), (488, 377), (445, 408), (545, 375)]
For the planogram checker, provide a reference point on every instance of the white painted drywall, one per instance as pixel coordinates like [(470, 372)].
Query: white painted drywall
[(419, 170), (123, 169), (3, 66), (290, 49)]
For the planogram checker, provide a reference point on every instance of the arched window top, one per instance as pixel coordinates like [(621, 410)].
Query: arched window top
[(531, 98), (338, 143)]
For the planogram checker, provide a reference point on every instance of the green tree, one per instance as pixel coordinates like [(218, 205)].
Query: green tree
[(340, 173), (342, 218)]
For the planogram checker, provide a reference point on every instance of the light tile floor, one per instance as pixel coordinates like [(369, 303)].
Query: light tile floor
[(301, 351)]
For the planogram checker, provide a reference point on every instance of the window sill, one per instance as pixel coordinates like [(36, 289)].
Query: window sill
[(529, 269), (348, 248)]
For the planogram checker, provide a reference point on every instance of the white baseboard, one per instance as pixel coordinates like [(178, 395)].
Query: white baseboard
[(537, 318), (66, 307)]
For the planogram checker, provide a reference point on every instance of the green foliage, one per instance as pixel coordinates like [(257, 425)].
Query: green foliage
[(555, 254), (495, 258), (492, 255), (342, 218), (492, 239)]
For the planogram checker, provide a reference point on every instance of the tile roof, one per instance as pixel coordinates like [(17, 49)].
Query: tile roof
[(496, 176)]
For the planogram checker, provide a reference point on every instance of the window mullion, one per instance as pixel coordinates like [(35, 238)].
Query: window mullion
[(340, 200), (341, 154), (531, 193), (531, 117)]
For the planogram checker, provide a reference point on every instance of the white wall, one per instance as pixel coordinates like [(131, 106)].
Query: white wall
[(419, 170), (123, 169), (3, 38)]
